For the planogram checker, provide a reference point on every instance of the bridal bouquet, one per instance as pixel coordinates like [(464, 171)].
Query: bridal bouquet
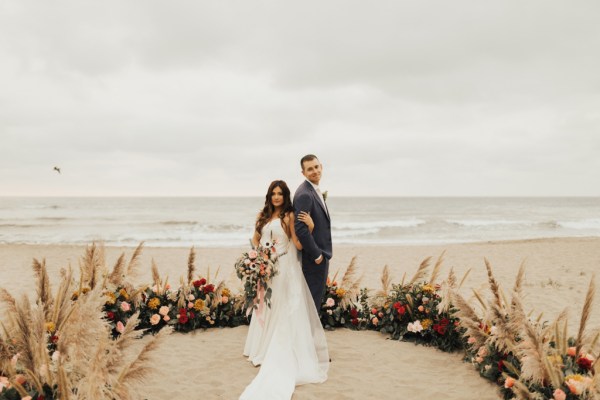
[(256, 268)]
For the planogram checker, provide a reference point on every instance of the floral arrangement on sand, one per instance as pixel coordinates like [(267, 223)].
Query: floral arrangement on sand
[(76, 343), (345, 305)]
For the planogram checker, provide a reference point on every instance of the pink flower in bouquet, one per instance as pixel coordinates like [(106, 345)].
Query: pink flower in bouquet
[(125, 306), (155, 319), (120, 327), (190, 305), (572, 351), (509, 382), (330, 302), (421, 308), (252, 254), (155, 288), (247, 262), (380, 314), (375, 321), (224, 299), (374, 311), (167, 286), (471, 340), (166, 318), (559, 395), (164, 310), (191, 297)]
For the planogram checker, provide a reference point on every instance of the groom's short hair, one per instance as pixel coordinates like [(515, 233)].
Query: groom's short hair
[(308, 157)]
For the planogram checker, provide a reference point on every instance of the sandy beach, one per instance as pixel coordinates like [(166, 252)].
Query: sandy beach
[(209, 364)]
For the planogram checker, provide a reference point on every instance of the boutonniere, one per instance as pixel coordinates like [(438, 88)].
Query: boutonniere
[(325, 195)]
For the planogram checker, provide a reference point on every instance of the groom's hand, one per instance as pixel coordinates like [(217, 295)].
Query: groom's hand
[(319, 260)]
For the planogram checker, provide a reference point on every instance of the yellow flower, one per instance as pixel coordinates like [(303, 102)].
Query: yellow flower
[(428, 289), (111, 298), (85, 290), (426, 323), (555, 359), (386, 306), (199, 305), (50, 327), (226, 292), (340, 292), (153, 303), (123, 293)]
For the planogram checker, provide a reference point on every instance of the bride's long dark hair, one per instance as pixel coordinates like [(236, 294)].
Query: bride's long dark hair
[(268, 210)]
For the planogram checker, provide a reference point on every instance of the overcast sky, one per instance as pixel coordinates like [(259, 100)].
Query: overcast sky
[(397, 98)]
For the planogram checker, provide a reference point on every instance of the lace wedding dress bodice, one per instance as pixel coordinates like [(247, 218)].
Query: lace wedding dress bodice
[(288, 341)]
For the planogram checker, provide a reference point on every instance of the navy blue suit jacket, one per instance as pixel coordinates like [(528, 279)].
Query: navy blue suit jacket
[(307, 199)]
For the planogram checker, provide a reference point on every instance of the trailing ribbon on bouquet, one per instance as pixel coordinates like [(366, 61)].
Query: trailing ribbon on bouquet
[(259, 304)]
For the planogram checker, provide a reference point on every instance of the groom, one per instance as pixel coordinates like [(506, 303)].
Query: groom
[(316, 247)]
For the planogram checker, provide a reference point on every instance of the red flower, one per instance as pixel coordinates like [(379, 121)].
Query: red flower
[(399, 308), (183, 319), (442, 326), (192, 315), (584, 363), (354, 313), (500, 365), (199, 282), (110, 315), (209, 288), (54, 339), (354, 321)]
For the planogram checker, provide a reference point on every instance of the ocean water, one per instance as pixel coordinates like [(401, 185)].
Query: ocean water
[(225, 222)]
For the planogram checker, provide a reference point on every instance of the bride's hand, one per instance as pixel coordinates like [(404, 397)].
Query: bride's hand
[(307, 219)]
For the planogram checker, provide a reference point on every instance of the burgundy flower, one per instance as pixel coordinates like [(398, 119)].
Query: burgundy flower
[(209, 288), (183, 319), (110, 315), (354, 313), (354, 321), (192, 315), (500, 365), (584, 363)]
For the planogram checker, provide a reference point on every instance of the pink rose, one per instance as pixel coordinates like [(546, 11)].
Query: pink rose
[(155, 319), (421, 308), (224, 299), (571, 351), (509, 382), (191, 297), (330, 302), (166, 318), (471, 340), (167, 286), (375, 321), (559, 395), (164, 310), (374, 311), (380, 315), (190, 305), (125, 306), (120, 327), (252, 254)]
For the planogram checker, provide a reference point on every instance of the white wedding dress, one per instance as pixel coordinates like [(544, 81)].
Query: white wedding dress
[(288, 340)]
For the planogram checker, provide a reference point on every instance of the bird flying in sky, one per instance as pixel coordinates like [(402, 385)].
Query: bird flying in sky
[(57, 169)]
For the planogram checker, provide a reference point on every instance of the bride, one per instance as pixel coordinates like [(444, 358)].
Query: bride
[(287, 340)]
